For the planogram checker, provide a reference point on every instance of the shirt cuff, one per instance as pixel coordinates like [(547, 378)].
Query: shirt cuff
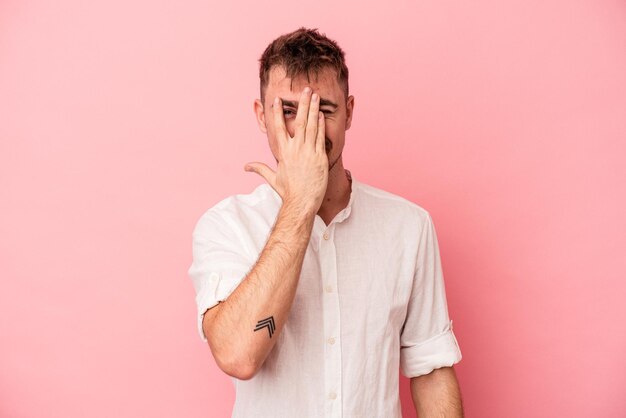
[(442, 350), (205, 299)]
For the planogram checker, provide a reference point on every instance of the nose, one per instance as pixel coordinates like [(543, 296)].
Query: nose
[(291, 127)]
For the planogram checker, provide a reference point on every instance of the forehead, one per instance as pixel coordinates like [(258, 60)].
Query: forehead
[(323, 83)]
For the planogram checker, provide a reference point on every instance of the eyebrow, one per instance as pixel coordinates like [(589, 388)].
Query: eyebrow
[(323, 102)]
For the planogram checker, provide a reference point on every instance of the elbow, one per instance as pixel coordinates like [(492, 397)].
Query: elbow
[(245, 373), (230, 357), (234, 365), (238, 369)]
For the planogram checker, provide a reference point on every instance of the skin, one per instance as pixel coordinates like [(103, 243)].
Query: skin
[(437, 394), (337, 121)]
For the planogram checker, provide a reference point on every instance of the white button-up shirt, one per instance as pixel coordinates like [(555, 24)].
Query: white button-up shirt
[(370, 301)]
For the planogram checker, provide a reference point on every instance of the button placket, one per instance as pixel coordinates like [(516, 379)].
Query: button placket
[(332, 329)]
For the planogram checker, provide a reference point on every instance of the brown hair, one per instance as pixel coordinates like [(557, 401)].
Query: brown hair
[(300, 52)]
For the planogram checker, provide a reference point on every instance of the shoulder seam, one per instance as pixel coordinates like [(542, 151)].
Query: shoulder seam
[(372, 191)]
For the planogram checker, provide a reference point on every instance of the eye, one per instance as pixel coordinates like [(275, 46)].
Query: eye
[(289, 112), (327, 112)]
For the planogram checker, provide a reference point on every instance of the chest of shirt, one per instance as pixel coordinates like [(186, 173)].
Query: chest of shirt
[(364, 263), (369, 279)]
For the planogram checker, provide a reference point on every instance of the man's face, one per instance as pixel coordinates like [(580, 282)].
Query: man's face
[(337, 110)]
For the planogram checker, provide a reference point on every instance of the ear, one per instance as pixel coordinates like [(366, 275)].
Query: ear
[(349, 109), (260, 115)]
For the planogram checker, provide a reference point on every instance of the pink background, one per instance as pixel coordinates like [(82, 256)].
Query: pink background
[(122, 122)]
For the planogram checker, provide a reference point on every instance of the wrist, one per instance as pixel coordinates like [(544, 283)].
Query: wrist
[(299, 209)]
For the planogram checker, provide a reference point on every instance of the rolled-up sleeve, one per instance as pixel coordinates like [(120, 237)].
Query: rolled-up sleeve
[(427, 341), (219, 262)]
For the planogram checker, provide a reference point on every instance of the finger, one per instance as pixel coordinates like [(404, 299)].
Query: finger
[(311, 124), (279, 121), (264, 171), (320, 142), (303, 110)]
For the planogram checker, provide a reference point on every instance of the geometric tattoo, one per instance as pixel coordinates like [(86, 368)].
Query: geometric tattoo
[(267, 322)]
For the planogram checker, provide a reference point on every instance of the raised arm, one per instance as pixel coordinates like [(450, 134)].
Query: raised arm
[(243, 329)]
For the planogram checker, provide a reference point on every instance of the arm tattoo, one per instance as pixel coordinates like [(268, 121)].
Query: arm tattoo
[(266, 323)]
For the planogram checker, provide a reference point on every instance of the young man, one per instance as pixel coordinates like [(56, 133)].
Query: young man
[(314, 289)]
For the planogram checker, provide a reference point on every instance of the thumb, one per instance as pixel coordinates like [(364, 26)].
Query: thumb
[(264, 171)]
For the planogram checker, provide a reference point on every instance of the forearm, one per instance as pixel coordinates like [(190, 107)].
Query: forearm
[(265, 294), (437, 394)]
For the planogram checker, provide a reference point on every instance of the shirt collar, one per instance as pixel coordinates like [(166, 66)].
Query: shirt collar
[(345, 212), (320, 228)]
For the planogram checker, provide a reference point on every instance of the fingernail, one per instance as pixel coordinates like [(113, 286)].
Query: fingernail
[(307, 90), (276, 100), (314, 97)]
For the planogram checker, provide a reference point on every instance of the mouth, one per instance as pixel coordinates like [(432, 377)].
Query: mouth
[(329, 145)]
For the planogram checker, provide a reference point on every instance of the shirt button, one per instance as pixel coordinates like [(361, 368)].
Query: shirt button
[(329, 288), (331, 341), (332, 395), (326, 235)]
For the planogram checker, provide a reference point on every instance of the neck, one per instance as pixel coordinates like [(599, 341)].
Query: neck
[(337, 193)]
